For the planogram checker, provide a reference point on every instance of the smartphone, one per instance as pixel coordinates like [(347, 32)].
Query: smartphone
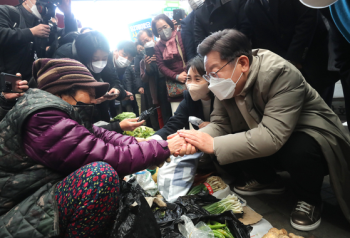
[(8, 83), (178, 14), (110, 95), (149, 51)]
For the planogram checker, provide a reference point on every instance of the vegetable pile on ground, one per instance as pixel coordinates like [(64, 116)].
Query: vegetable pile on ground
[(220, 230), (275, 233), (231, 202), (141, 132), (212, 184), (123, 116)]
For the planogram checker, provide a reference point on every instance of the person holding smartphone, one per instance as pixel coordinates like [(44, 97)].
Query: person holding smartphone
[(8, 100), (154, 81)]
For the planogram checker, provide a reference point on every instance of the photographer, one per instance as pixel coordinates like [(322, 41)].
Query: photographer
[(23, 34)]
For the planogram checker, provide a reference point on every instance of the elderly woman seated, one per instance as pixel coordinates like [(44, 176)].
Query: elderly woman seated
[(59, 174)]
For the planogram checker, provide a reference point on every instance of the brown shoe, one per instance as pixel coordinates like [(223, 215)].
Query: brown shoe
[(252, 187), (305, 217)]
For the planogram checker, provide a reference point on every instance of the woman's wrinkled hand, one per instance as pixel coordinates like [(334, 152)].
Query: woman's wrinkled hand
[(130, 124)]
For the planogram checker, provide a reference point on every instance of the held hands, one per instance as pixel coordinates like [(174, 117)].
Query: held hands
[(178, 146), (41, 30), (202, 141), (20, 85)]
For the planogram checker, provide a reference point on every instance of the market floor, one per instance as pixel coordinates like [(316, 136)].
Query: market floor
[(276, 209)]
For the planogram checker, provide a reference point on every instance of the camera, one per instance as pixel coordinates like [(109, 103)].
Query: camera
[(47, 9)]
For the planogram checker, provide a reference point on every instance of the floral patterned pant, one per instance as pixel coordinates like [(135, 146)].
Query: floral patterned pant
[(88, 201)]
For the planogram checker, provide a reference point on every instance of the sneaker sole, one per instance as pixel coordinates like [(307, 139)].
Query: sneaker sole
[(306, 228), (264, 191)]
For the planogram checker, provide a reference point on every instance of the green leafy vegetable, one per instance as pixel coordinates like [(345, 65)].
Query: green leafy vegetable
[(124, 115), (231, 202), (141, 132)]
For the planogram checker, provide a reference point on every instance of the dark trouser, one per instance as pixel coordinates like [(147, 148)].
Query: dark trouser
[(147, 103), (163, 101), (112, 108), (302, 158)]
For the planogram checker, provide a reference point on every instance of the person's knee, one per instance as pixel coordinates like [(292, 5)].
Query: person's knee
[(102, 175)]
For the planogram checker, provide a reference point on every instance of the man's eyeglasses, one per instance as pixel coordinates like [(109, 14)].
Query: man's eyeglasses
[(214, 74)]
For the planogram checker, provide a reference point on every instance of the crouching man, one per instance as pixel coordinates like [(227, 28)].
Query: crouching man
[(266, 116)]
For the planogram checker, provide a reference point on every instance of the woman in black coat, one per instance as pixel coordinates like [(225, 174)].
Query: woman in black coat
[(197, 102)]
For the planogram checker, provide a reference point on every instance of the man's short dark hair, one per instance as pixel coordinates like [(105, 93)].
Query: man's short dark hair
[(229, 43), (161, 17), (147, 31), (129, 47)]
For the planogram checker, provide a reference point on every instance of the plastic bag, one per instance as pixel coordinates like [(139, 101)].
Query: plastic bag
[(175, 178), (189, 230), (195, 121), (135, 217), (145, 180), (191, 206)]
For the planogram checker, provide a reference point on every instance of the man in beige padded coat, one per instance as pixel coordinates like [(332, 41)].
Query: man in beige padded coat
[(266, 116)]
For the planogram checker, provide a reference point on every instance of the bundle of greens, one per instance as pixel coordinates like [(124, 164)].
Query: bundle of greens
[(197, 189), (220, 230), (231, 202), (212, 184), (141, 132), (123, 116)]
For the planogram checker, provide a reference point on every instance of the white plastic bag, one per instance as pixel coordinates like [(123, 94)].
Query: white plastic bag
[(175, 178), (195, 120), (189, 230), (101, 123), (144, 179)]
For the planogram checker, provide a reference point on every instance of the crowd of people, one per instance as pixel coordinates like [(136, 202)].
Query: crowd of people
[(260, 75)]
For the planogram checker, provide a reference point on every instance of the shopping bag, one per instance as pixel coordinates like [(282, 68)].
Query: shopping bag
[(176, 178)]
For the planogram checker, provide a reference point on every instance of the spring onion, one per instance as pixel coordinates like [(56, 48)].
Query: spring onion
[(231, 202), (197, 189)]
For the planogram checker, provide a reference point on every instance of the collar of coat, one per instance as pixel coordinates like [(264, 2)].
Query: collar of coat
[(252, 75)]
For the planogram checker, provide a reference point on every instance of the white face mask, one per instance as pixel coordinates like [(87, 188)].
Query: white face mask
[(122, 62), (149, 44), (195, 3), (98, 66), (165, 34), (223, 88), (198, 91), (35, 11)]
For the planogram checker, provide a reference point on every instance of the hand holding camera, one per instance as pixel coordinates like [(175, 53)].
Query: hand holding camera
[(41, 30)]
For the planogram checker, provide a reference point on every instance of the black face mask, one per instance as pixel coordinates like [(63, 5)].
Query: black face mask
[(85, 114)]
